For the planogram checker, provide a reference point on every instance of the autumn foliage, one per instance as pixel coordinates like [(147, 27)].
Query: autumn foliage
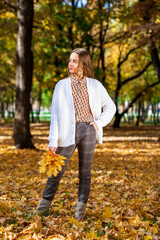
[(124, 199), (51, 163)]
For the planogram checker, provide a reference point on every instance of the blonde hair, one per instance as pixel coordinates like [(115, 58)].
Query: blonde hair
[(85, 61)]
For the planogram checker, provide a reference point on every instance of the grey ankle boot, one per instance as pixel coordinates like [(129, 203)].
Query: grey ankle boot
[(80, 210), (43, 207)]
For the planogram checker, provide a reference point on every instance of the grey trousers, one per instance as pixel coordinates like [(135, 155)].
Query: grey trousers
[(85, 140)]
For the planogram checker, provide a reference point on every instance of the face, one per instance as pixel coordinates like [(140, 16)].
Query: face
[(73, 63)]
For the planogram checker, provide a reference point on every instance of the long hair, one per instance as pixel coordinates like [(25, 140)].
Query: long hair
[(85, 61)]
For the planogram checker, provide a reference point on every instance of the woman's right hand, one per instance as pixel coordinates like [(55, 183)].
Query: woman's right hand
[(52, 149)]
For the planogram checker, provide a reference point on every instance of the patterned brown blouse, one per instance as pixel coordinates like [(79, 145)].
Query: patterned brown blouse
[(81, 99)]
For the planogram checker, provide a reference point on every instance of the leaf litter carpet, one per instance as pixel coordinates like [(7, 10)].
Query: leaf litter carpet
[(124, 201)]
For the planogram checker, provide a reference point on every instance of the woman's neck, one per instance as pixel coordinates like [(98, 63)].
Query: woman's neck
[(76, 76)]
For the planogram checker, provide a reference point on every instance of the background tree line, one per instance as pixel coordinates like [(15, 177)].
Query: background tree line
[(36, 37)]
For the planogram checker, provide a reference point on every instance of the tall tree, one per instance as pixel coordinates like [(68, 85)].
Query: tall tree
[(8, 25), (150, 15), (121, 83), (139, 19), (24, 70), (151, 10)]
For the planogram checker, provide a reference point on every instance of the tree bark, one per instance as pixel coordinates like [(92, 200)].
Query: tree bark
[(153, 48), (154, 113), (102, 35), (39, 105), (155, 61), (2, 110), (157, 113), (24, 71), (139, 112), (70, 29), (117, 121)]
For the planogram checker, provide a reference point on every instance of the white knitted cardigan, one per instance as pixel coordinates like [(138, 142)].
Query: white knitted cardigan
[(62, 125)]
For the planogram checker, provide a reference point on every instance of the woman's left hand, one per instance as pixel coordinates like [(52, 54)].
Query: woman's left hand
[(95, 125)]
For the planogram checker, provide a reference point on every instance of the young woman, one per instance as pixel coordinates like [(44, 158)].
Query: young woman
[(81, 107)]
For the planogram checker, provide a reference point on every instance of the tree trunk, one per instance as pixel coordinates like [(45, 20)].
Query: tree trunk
[(158, 112), (117, 121), (70, 29), (101, 40), (24, 71), (102, 57), (7, 108), (31, 110), (139, 113), (153, 47), (13, 111), (2, 110), (39, 105), (154, 113)]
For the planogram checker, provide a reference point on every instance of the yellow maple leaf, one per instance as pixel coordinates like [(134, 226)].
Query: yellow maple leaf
[(42, 169), (107, 213), (54, 172), (49, 172), (59, 207), (48, 160), (61, 161), (58, 164), (72, 220), (148, 237), (91, 235), (1, 230)]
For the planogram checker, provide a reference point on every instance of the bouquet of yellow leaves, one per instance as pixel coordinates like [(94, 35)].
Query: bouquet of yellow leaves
[(51, 163)]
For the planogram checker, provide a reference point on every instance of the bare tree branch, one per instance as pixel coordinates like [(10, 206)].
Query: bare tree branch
[(7, 81), (127, 55), (137, 75), (13, 7), (139, 95)]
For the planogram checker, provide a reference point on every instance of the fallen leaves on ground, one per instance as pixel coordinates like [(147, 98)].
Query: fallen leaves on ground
[(124, 199)]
